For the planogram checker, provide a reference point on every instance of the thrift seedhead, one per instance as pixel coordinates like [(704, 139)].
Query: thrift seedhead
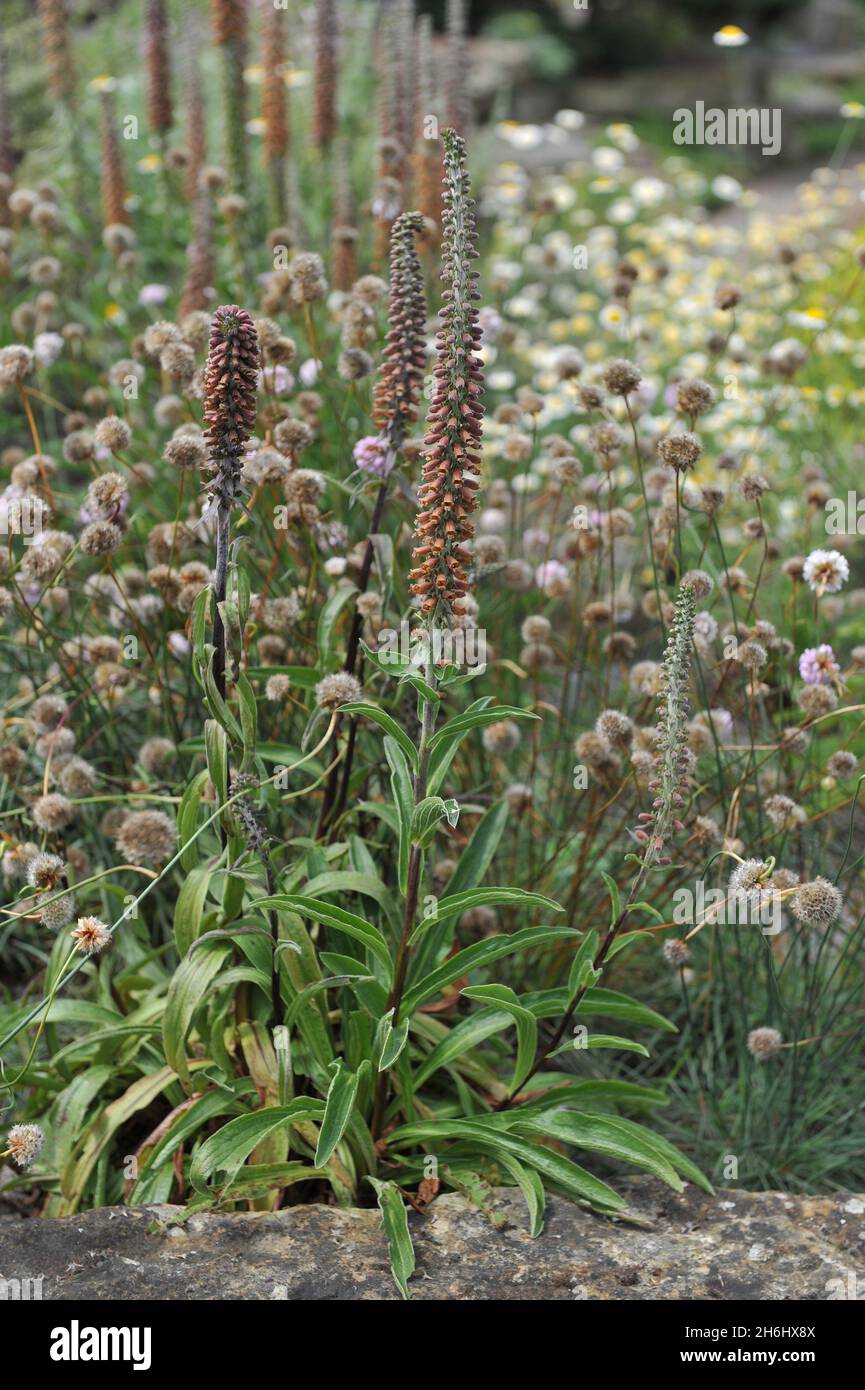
[(446, 496), (231, 383), (764, 1043), (24, 1144), (91, 936), (401, 378)]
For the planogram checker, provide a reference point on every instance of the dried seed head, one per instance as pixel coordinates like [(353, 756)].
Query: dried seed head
[(621, 377), (764, 1043), (91, 936), (338, 689), (146, 837), (818, 902), (24, 1144)]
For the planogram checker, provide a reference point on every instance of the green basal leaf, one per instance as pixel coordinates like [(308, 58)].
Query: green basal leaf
[(394, 1217)]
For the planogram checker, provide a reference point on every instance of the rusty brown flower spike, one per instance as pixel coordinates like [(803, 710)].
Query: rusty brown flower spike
[(57, 48), (195, 119), (274, 111), (158, 67), (446, 497), (231, 384), (324, 108), (230, 33), (114, 211), (401, 377)]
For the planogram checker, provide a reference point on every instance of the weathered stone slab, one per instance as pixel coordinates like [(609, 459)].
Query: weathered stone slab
[(736, 1245)]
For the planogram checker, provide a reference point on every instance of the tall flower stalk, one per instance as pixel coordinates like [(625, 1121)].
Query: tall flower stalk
[(457, 72), (201, 267), (445, 500), (231, 384), (427, 153), (7, 137), (672, 765), (446, 496), (57, 48), (159, 107), (395, 408), (274, 110), (114, 211), (196, 125), (324, 97), (229, 31), (343, 232)]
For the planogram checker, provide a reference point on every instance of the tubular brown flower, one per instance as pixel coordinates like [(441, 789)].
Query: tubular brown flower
[(446, 496)]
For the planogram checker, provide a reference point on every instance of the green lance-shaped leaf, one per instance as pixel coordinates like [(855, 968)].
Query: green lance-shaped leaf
[(385, 722), (479, 954), (394, 1218), (331, 916), (403, 796), (340, 1099), (458, 903), (503, 997), (226, 1151), (389, 1041), (427, 816), (478, 853), (189, 985)]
